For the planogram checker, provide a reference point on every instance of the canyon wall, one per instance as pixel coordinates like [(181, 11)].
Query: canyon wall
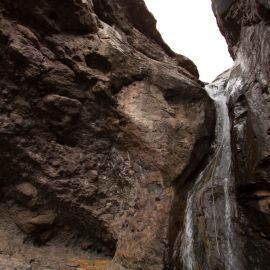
[(99, 118), (105, 133)]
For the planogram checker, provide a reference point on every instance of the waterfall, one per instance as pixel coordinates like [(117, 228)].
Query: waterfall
[(187, 251), (212, 192), (222, 170)]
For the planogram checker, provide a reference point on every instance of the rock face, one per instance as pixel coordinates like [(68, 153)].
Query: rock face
[(245, 25), (99, 120)]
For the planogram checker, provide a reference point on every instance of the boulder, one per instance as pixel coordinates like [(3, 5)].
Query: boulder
[(32, 222)]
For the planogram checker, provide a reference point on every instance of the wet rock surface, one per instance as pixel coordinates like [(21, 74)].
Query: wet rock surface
[(250, 112), (98, 119), (224, 223)]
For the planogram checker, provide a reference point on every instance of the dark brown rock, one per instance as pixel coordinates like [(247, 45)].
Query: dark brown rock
[(27, 190), (245, 25), (23, 222), (26, 194), (86, 245), (102, 118), (64, 104), (31, 222)]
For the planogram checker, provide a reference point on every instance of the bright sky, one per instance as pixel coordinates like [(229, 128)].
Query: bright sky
[(189, 28)]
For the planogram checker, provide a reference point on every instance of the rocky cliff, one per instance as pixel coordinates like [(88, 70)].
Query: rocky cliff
[(99, 120), (107, 147)]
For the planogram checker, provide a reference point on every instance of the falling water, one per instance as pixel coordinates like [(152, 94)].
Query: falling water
[(216, 175), (187, 237), (228, 224), (222, 170)]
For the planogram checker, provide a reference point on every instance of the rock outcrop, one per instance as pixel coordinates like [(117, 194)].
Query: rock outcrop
[(99, 120)]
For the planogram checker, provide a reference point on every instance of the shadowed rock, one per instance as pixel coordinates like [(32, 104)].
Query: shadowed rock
[(102, 118)]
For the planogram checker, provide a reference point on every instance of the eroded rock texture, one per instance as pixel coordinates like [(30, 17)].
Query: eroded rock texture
[(98, 119)]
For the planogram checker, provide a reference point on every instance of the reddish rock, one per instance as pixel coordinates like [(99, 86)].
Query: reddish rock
[(111, 118)]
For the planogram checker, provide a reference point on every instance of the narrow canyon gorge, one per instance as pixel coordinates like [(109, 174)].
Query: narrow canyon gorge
[(115, 155)]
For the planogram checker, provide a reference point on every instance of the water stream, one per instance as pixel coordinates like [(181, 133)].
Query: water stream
[(211, 200)]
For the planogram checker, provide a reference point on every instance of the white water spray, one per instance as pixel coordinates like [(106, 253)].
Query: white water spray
[(218, 173)]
